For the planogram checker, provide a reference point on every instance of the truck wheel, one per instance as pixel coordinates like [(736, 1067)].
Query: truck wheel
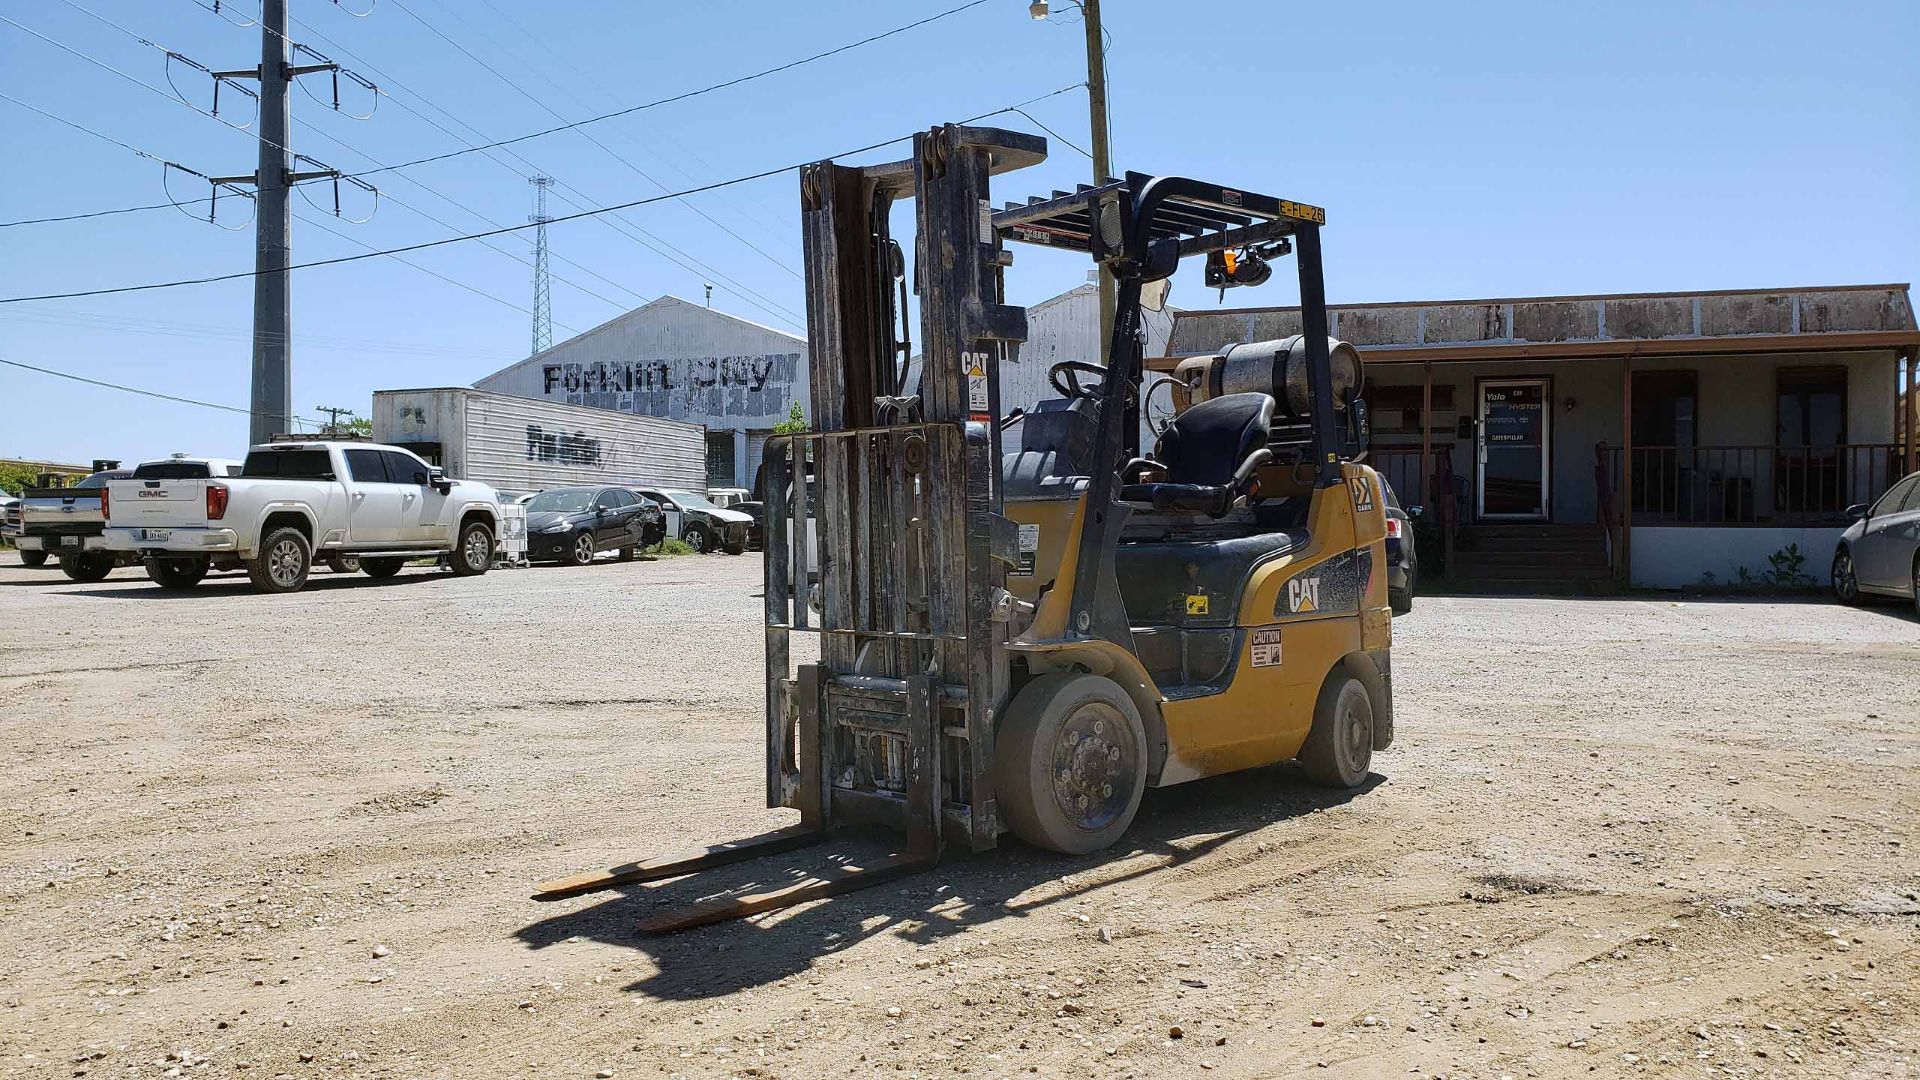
[(283, 563), (699, 539), (580, 552), (86, 568), (475, 553), (177, 573), (33, 558), (343, 564), (1339, 749), (1070, 763), (381, 569)]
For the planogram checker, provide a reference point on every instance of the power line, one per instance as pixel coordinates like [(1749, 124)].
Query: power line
[(77, 126), (687, 94), (149, 393), (582, 132), (716, 185)]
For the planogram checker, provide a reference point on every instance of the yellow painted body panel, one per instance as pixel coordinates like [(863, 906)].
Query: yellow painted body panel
[(1265, 714)]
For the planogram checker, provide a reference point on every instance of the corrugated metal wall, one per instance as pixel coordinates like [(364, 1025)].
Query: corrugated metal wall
[(520, 444), (1067, 327)]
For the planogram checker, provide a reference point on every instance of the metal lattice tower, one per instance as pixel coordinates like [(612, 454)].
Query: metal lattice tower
[(542, 307)]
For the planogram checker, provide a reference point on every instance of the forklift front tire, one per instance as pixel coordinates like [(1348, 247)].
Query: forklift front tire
[(1070, 763), (1339, 749)]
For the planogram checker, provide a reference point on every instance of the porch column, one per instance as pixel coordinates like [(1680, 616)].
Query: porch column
[(1913, 410), (1626, 471), (1426, 435)]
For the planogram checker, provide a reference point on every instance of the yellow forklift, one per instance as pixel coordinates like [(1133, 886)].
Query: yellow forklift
[(1027, 640)]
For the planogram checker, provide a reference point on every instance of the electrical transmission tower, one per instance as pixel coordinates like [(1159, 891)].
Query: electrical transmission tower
[(542, 307)]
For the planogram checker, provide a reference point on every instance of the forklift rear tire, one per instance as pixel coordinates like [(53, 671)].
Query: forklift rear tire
[(1339, 749), (1070, 763)]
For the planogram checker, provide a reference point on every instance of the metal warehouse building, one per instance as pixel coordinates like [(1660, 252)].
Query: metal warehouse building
[(679, 360)]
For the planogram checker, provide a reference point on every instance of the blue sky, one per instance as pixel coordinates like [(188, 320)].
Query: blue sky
[(1461, 150)]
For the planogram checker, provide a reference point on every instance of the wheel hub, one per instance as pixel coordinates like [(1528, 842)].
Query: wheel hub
[(283, 562), (1094, 763)]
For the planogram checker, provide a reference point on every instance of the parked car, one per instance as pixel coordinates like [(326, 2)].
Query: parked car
[(297, 501), (1403, 562), (698, 522), (727, 498), (10, 518), (573, 524), (757, 526), (65, 524), (1880, 552)]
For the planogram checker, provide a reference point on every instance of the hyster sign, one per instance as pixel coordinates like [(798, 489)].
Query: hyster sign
[(744, 387)]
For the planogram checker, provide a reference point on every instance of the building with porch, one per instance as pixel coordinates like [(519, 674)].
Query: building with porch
[(1573, 443)]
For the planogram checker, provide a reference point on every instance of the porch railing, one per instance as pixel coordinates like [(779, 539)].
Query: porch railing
[(1749, 485), (1401, 467)]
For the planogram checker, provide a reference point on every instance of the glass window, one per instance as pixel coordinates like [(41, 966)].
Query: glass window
[(1898, 497), (1812, 406), (172, 470), (404, 468), (367, 466), (605, 501), (289, 464), (231, 470), (687, 500), (563, 501), (621, 498)]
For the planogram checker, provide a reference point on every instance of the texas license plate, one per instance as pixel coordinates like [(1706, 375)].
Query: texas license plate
[(156, 534), (69, 541)]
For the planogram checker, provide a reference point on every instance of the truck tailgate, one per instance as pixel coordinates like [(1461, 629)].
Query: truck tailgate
[(166, 504), (60, 507)]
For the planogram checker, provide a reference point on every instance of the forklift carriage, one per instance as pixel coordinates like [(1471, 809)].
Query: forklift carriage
[(1027, 640)]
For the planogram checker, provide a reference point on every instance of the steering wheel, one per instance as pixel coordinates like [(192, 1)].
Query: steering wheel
[(1065, 377)]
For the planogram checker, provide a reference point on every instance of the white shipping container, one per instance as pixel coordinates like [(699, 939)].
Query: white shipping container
[(524, 444)]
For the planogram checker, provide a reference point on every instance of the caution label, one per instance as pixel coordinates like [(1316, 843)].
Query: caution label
[(1266, 648), (978, 399), (1197, 603), (1029, 547)]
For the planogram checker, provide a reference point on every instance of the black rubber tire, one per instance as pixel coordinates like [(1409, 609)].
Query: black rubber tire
[(343, 564), (654, 537), (381, 569), (1916, 584), (1028, 755), (87, 568), (177, 573), (699, 538), (628, 553), (1400, 600), (579, 549), (33, 558), (1339, 749), (735, 548), (1844, 579), (283, 562), (474, 555)]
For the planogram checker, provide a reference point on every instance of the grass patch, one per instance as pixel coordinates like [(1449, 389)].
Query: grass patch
[(668, 547)]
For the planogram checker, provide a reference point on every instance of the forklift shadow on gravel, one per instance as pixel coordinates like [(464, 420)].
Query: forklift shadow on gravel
[(1176, 826)]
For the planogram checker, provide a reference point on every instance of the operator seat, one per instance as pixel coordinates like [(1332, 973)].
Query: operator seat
[(1209, 454)]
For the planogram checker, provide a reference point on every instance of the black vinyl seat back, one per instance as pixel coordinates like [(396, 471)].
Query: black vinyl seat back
[(1206, 452), (1207, 443)]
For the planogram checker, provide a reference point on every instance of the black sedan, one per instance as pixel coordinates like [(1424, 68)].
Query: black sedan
[(572, 525), (1403, 562)]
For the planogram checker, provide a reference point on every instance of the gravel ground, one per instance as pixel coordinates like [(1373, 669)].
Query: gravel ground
[(294, 836)]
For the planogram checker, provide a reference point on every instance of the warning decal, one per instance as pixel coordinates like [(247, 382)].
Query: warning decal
[(1196, 603), (978, 400), (1029, 544), (1266, 648)]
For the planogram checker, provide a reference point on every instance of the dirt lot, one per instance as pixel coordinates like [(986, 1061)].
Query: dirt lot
[(294, 836)]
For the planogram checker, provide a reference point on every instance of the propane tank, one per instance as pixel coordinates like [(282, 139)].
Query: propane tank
[(1277, 368)]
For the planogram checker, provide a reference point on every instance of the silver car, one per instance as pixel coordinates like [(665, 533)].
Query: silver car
[(1880, 551)]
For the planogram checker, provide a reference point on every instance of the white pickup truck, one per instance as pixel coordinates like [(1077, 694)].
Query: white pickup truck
[(294, 502)]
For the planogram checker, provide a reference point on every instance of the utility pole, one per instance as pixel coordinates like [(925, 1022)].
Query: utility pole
[(272, 398), (1102, 166), (542, 305), (333, 417)]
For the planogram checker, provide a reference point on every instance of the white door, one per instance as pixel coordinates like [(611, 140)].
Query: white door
[(422, 507), (374, 505), (1516, 431)]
